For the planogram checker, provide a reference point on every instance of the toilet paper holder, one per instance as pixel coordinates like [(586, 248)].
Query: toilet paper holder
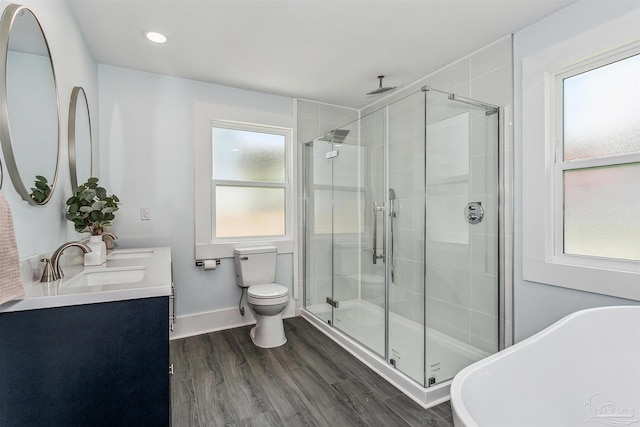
[(208, 264)]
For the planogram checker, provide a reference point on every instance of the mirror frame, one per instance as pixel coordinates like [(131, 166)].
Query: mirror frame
[(6, 24), (73, 104)]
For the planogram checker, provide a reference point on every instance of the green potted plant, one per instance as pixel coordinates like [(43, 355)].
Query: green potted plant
[(91, 209), (41, 191)]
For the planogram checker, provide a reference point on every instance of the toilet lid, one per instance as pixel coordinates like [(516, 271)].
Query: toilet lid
[(270, 290)]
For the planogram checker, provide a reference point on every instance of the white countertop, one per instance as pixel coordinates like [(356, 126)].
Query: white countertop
[(156, 263)]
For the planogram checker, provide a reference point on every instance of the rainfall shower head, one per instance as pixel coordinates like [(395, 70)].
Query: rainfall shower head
[(339, 135), (380, 88), (336, 136)]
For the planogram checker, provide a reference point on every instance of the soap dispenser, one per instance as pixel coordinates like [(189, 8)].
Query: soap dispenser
[(98, 254)]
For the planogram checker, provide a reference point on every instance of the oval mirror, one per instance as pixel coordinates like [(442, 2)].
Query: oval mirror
[(80, 146), (29, 120)]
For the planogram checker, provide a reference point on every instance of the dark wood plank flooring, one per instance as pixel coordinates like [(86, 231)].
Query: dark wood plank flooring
[(222, 379)]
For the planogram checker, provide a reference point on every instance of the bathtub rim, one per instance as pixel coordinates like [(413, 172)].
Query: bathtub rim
[(461, 416)]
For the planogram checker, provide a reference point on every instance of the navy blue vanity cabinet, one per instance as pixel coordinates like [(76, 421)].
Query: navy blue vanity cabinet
[(103, 364)]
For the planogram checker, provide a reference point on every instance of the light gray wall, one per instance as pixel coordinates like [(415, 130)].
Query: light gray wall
[(147, 126), (537, 305), (41, 229)]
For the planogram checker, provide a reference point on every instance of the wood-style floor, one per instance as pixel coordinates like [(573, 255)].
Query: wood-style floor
[(222, 379)]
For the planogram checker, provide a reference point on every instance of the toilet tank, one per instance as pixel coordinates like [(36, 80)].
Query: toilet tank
[(255, 266)]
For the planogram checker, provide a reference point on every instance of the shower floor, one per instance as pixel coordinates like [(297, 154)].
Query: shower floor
[(364, 322)]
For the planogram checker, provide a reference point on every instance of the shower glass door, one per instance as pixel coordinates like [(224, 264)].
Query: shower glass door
[(318, 194), (358, 226), (345, 229)]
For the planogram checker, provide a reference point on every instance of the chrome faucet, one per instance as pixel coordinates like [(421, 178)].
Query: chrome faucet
[(55, 258), (110, 237)]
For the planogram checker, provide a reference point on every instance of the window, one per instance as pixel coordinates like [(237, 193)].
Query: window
[(249, 181), (245, 187), (597, 167), (581, 165)]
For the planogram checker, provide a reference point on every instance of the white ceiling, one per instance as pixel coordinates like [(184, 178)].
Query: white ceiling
[(324, 50)]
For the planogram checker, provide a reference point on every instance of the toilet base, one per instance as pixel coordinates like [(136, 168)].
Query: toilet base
[(268, 332)]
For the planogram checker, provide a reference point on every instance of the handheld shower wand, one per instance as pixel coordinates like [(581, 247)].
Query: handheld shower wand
[(392, 199)]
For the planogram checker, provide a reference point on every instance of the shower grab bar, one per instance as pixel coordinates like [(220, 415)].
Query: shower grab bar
[(376, 257), (392, 216)]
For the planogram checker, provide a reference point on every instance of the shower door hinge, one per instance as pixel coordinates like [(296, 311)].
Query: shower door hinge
[(171, 369), (332, 154), (333, 303)]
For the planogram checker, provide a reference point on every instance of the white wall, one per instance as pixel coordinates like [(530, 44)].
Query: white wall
[(41, 229), (148, 156), (536, 305)]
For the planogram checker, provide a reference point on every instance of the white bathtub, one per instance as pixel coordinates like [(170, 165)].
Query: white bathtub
[(583, 370)]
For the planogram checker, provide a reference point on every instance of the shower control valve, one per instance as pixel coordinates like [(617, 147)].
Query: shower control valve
[(473, 212)]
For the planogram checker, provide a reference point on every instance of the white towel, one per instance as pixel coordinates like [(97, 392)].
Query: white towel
[(10, 284)]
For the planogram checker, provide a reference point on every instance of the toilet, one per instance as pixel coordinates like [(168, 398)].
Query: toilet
[(256, 271)]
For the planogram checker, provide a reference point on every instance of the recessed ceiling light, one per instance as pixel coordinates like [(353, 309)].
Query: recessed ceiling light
[(155, 37)]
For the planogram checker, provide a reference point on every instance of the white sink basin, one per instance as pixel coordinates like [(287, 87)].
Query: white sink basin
[(107, 276), (131, 253)]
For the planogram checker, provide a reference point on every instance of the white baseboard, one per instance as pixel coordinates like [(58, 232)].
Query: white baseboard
[(203, 323)]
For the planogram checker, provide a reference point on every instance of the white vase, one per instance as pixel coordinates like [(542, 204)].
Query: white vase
[(98, 254)]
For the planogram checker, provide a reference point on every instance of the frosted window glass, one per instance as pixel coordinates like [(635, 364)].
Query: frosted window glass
[(602, 111), (601, 212), (248, 156), (249, 211)]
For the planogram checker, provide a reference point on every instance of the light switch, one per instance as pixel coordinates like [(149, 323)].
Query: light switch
[(145, 214)]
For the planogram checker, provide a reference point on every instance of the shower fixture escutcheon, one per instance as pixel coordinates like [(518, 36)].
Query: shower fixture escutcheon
[(473, 212)]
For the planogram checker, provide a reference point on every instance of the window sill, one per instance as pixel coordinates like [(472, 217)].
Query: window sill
[(617, 283)]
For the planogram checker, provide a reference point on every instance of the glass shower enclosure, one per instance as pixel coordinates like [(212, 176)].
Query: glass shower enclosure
[(401, 233)]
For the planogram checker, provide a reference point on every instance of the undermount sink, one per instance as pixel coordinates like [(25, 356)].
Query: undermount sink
[(131, 253), (107, 276)]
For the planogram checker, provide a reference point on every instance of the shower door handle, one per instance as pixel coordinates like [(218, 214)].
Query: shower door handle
[(376, 257)]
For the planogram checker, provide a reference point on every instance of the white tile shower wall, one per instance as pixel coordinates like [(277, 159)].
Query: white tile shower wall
[(315, 119)]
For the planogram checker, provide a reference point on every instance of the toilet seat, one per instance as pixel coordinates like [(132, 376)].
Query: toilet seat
[(268, 290), (267, 294)]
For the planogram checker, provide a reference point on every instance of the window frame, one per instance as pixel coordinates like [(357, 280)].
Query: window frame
[(561, 165), (286, 184), (207, 244), (541, 195)]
